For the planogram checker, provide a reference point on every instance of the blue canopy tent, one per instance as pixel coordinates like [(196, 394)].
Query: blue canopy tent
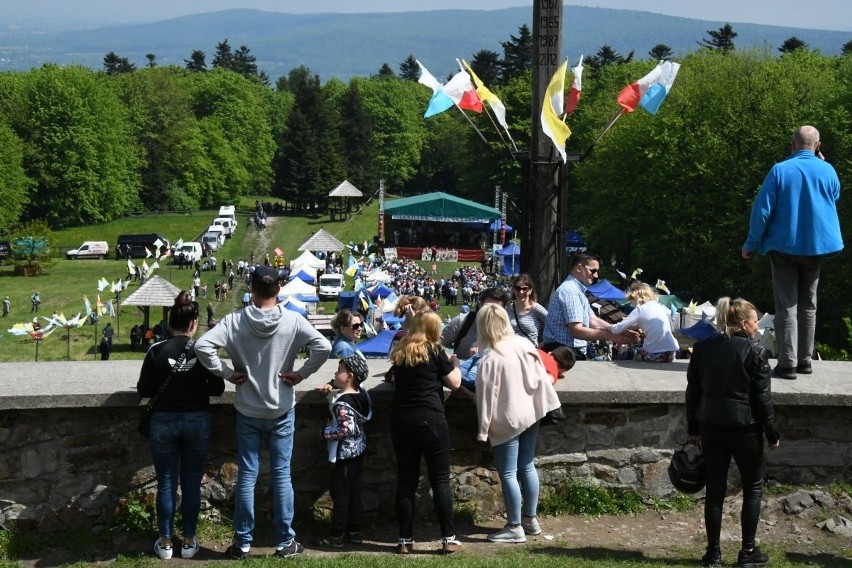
[(605, 290), (699, 331), (574, 242), (381, 290), (347, 300), (305, 277), (511, 264), (294, 308), (308, 298), (377, 346), (497, 226)]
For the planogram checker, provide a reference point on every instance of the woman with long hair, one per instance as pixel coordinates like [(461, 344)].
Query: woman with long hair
[(513, 393), (729, 410), (420, 431), (525, 313), (180, 424)]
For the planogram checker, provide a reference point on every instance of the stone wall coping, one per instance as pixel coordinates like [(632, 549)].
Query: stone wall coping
[(81, 384)]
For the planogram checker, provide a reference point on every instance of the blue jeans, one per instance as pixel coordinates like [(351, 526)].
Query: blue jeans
[(179, 442), (514, 460), (278, 433)]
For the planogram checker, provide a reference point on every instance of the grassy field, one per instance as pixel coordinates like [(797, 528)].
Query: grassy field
[(63, 287)]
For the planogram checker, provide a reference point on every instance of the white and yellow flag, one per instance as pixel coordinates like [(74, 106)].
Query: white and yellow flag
[(551, 109)]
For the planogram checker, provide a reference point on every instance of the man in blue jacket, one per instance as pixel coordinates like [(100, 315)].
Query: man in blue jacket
[(794, 220)]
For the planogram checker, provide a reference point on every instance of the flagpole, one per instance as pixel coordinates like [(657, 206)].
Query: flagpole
[(499, 133), (609, 125), (475, 128)]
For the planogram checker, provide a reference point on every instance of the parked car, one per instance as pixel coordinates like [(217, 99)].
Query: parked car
[(89, 249), (192, 251), (226, 224), (210, 241), (218, 230)]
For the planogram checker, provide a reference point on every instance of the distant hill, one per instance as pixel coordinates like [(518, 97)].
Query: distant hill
[(346, 45)]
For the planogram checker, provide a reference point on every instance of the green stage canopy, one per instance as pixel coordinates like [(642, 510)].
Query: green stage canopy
[(439, 206)]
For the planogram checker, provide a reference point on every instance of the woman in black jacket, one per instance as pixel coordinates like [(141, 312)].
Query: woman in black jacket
[(180, 424), (729, 410)]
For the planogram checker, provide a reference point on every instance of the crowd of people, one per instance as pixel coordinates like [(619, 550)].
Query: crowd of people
[(507, 353)]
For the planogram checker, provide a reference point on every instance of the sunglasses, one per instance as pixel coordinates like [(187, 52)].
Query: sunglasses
[(357, 325), (592, 270), (522, 288)]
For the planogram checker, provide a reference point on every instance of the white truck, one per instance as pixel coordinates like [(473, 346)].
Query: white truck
[(226, 223), (330, 286), (89, 249)]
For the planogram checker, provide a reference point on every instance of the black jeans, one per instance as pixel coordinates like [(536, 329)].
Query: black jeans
[(746, 446), (346, 495), (415, 436)]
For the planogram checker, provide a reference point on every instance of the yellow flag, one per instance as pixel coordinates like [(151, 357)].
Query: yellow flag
[(551, 109)]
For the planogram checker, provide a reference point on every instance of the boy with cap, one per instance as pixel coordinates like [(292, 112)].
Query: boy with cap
[(350, 409)]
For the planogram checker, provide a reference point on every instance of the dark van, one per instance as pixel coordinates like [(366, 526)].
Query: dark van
[(134, 246)]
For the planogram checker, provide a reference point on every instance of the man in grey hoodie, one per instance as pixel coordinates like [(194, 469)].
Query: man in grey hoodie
[(263, 341)]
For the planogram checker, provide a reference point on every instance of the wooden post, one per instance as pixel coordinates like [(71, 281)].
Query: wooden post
[(542, 196)]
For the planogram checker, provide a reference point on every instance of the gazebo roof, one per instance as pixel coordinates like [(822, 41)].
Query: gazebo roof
[(322, 240), (156, 291), (345, 189)]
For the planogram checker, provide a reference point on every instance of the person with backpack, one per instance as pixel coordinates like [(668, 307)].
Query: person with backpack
[(460, 333)]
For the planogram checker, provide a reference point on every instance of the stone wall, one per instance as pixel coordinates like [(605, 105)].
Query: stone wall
[(63, 466)]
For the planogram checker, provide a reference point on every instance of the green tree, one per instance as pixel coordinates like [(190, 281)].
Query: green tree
[(517, 54), (847, 48), (78, 147), (661, 52), (386, 71), (606, 56), (115, 65), (33, 246), (792, 44), (356, 132), (721, 39), (224, 56), (197, 61), (486, 65), (152, 60), (408, 69), (14, 184), (244, 62)]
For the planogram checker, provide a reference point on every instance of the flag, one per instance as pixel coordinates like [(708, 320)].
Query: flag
[(103, 284), (439, 101), (649, 91), (179, 243), (576, 88), (278, 251), (145, 268), (99, 306), (661, 285), (155, 266), (552, 105), (486, 95), (352, 270), (87, 304), (636, 274), (148, 253), (110, 308), (461, 90)]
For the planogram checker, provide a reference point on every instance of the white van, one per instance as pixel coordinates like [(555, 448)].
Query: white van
[(218, 230), (89, 249), (228, 212), (330, 286), (192, 251), (210, 241), (226, 223)]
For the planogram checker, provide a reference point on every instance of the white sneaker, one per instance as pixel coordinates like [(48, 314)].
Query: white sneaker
[(508, 534), (530, 525), (189, 548), (164, 551)]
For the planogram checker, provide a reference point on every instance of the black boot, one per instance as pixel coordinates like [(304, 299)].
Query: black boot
[(713, 556), (753, 557)]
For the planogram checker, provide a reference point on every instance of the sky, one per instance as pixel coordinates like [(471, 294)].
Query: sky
[(825, 14)]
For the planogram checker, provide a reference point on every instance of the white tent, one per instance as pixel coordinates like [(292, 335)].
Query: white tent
[(307, 258), (296, 286), (379, 276)]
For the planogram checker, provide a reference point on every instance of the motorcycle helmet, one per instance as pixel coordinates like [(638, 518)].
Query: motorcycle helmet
[(687, 471)]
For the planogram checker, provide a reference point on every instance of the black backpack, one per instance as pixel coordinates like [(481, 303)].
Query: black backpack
[(688, 474)]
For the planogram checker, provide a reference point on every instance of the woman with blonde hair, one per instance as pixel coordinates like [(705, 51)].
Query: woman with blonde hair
[(419, 426), (654, 320), (525, 313), (729, 410), (513, 393)]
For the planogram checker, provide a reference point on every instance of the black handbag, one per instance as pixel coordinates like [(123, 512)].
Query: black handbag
[(144, 426), (555, 416)]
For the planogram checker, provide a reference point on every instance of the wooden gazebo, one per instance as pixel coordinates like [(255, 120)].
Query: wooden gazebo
[(156, 291), (341, 208)]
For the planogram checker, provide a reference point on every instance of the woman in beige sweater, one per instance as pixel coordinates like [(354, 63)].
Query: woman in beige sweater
[(513, 393)]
